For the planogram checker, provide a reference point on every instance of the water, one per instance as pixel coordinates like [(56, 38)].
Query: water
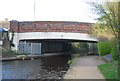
[(52, 67)]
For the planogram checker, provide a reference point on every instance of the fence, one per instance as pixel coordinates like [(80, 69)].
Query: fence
[(30, 48)]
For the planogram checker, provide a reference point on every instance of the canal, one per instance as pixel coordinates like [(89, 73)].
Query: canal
[(52, 67)]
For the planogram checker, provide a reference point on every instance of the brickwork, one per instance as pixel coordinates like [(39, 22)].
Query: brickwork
[(44, 26)]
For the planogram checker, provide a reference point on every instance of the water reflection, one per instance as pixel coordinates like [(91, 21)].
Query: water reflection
[(53, 67)]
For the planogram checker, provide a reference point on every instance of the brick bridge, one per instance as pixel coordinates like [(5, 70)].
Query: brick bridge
[(49, 36)]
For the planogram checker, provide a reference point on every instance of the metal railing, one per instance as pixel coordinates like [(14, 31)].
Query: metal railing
[(30, 48)]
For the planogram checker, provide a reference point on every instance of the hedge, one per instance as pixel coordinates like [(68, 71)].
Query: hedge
[(104, 48), (114, 51)]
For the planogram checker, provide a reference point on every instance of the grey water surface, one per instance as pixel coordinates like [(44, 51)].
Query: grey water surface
[(52, 67)]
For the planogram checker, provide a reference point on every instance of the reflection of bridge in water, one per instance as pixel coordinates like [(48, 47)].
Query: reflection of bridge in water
[(50, 36)]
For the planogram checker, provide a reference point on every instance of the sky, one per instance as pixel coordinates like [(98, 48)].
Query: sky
[(46, 10)]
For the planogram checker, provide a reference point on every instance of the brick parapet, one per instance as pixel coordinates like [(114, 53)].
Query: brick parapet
[(77, 27)]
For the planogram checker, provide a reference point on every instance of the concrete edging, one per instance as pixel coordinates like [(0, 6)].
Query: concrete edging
[(26, 57)]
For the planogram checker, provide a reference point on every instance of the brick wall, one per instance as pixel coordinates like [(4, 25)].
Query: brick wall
[(44, 26)]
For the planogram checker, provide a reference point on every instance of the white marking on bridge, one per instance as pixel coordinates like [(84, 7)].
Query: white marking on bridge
[(52, 35)]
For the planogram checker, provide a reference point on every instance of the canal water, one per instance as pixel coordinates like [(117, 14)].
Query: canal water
[(52, 67)]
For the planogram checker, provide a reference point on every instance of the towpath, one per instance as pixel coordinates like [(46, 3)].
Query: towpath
[(85, 68)]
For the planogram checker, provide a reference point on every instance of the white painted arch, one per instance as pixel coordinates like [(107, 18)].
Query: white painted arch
[(52, 35)]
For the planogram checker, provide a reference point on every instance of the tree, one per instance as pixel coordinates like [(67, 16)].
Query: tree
[(102, 31), (11, 40), (109, 17)]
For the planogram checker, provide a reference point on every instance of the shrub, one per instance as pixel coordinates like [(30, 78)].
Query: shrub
[(10, 51), (114, 51), (80, 48), (69, 62), (104, 48)]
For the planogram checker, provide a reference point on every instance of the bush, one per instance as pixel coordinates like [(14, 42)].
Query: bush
[(69, 62), (104, 48), (114, 51), (80, 48), (10, 51)]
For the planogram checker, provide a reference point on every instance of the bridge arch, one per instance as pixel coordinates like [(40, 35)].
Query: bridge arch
[(51, 30)]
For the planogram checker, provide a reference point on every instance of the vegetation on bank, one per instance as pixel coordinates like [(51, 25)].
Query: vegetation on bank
[(110, 70), (104, 48), (73, 56), (84, 48), (109, 47), (115, 52), (108, 26), (10, 52)]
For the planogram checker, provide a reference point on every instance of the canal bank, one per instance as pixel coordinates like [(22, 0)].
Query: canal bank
[(85, 67), (29, 56)]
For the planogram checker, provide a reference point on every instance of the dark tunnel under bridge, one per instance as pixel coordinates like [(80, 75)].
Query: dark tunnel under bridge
[(53, 46)]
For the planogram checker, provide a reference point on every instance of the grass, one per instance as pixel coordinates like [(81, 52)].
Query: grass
[(110, 70)]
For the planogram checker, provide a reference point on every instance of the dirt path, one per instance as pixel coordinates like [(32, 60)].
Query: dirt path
[(85, 68)]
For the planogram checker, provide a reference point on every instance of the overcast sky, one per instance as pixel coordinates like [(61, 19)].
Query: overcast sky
[(46, 10)]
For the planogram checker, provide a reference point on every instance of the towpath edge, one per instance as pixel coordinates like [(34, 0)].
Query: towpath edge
[(85, 68)]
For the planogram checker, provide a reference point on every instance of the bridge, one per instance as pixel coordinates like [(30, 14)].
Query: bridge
[(49, 36)]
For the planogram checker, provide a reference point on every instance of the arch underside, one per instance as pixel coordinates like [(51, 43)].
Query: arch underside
[(58, 36)]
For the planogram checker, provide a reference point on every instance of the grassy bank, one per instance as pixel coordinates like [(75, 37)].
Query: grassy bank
[(110, 70)]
